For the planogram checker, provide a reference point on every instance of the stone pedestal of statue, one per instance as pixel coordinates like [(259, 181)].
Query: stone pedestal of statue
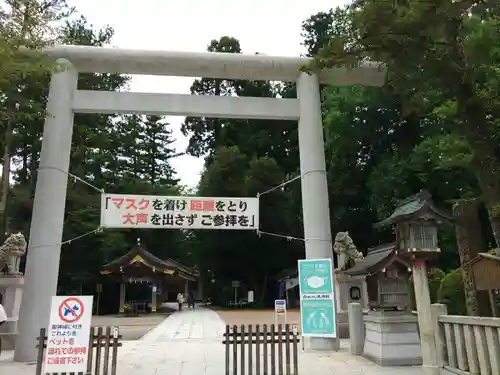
[(11, 288), (347, 254), (343, 287)]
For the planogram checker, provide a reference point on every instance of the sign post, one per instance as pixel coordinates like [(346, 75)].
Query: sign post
[(98, 302), (68, 335), (235, 284), (279, 311), (317, 298)]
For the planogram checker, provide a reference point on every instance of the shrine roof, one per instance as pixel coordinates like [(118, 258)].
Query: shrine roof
[(487, 256), (287, 273), (374, 260), (140, 255), (412, 207), (182, 267)]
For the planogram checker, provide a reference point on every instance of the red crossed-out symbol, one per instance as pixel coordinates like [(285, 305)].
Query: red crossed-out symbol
[(71, 310)]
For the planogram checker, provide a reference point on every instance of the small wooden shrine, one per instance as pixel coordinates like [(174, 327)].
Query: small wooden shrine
[(163, 276), (386, 276), (387, 268)]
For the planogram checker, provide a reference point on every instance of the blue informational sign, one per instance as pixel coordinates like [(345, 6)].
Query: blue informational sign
[(317, 298), (280, 306)]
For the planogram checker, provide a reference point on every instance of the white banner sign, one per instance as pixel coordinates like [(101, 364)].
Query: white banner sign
[(147, 211), (68, 335)]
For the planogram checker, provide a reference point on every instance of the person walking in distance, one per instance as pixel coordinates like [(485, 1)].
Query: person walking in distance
[(180, 300), (3, 318), (191, 300)]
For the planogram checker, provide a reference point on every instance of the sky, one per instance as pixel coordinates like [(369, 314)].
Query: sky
[(271, 27)]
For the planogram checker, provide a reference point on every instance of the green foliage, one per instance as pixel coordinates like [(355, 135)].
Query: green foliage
[(116, 153), (255, 260), (446, 151), (443, 58), (26, 25), (451, 293), (244, 158)]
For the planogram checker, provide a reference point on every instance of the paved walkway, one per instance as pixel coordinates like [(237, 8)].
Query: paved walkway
[(189, 343)]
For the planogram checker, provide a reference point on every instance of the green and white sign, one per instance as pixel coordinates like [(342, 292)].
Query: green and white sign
[(317, 298)]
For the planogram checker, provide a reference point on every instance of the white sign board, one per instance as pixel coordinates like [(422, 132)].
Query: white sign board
[(251, 296), (279, 311), (147, 211), (280, 307), (68, 334), (235, 284)]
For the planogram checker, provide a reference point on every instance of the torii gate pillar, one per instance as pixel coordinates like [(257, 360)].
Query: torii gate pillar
[(315, 207), (44, 249)]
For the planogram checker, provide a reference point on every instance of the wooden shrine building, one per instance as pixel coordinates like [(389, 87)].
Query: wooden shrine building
[(164, 277)]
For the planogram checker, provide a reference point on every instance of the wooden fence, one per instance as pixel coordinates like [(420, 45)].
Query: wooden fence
[(258, 350), (102, 353), (466, 344)]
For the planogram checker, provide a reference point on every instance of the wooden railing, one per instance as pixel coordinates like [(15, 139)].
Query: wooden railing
[(466, 344)]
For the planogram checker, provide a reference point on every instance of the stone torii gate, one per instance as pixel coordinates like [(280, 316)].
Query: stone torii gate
[(42, 264)]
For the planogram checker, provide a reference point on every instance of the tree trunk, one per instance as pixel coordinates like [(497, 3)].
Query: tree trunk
[(32, 169), (5, 181), (470, 243), (262, 293), (482, 141)]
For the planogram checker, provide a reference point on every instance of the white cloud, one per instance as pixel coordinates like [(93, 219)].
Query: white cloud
[(270, 27)]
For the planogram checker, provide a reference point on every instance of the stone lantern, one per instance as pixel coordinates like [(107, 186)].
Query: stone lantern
[(416, 221)]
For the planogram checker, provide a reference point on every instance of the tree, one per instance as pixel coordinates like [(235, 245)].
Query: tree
[(98, 151), (23, 24), (204, 132), (156, 145), (451, 293), (27, 24), (438, 54), (243, 255), (275, 139)]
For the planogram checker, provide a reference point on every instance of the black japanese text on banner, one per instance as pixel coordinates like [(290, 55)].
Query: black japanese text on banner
[(148, 211)]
